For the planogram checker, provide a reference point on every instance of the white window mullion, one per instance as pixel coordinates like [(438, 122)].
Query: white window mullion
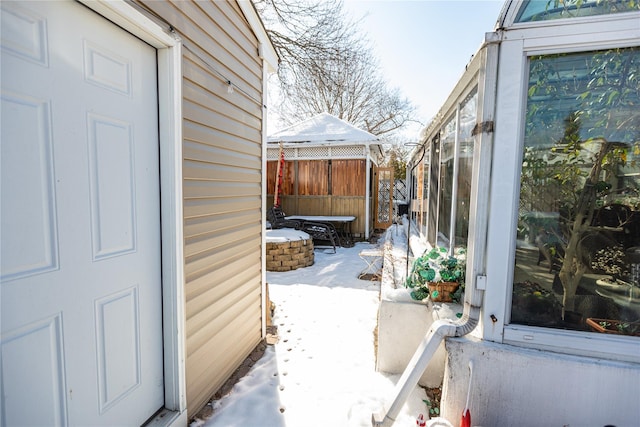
[(504, 191)]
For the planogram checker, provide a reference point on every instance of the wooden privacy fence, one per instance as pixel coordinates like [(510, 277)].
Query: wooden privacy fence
[(322, 187)]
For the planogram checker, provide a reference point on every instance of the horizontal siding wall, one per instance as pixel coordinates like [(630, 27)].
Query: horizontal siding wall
[(222, 189)]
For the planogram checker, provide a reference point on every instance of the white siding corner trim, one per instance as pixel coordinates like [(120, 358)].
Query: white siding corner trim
[(266, 49), (170, 118)]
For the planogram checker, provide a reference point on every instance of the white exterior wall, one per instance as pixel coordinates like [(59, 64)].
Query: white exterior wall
[(514, 386), (396, 349), (521, 376)]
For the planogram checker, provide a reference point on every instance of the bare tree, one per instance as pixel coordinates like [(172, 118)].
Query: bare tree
[(304, 32), (328, 66), (396, 158)]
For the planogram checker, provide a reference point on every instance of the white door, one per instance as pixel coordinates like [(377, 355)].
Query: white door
[(80, 227)]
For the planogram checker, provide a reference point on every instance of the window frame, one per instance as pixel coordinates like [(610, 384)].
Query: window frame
[(448, 152), (456, 206), (517, 47), (473, 81), (572, 11)]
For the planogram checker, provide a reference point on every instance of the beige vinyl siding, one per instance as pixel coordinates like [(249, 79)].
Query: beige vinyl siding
[(222, 189)]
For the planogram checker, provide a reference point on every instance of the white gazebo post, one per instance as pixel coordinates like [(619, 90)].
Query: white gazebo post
[(367, 193)]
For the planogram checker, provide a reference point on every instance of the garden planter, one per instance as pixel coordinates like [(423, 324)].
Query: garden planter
[(535, 305), (609, 326), (442, 291)]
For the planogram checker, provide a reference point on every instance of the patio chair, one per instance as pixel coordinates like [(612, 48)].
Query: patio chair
[(319, 231), (278, 220)]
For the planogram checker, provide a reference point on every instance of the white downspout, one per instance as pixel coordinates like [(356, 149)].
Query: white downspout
[(440, 329), (367, 193), (478, 215)]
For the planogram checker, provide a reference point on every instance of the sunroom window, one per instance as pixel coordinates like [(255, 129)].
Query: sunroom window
[(447, 154), (578, 251), (433, 168), (468, 115), (544, 10), (420, 196), (425, 192)]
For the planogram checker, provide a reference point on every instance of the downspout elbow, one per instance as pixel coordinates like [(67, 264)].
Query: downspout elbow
[(469, 320), (473, 297)]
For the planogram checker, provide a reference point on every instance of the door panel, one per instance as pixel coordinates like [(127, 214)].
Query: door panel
[(383, 198), (80, 260)]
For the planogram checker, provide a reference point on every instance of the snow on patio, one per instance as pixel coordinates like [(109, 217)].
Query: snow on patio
[(321, 372)]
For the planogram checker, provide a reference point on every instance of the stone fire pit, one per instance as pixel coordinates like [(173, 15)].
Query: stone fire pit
[(288, 249)]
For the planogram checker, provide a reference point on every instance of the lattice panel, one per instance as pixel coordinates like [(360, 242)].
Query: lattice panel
[(384, 193), (399, 189), (347, 152), (313, 152), (272, 154), (400, 192)]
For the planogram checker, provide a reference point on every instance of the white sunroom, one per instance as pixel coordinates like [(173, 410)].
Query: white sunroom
[(532, 166)]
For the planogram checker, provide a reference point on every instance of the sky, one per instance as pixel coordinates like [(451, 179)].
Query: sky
[(321, 372), (423, 46)]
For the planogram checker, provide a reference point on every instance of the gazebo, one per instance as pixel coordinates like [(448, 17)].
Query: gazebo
[(329, 168)]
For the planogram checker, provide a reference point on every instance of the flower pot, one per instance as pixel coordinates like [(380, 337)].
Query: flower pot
[(609, 326), (441, 291)]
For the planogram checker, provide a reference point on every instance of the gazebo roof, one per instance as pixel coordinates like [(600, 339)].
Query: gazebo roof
[(322, 129)]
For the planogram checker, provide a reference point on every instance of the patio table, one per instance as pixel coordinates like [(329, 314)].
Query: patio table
[(342, 223)]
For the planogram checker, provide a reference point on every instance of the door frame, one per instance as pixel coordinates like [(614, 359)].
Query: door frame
[(376, 204), (169, 56)]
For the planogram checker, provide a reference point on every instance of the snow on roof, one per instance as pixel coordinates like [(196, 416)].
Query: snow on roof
[(322, 128)]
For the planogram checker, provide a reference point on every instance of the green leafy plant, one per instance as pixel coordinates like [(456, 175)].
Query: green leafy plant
[(611, 260), (627, 328), (433, 410), (436, 265), (615, 326), (450, 270), (433, 400)]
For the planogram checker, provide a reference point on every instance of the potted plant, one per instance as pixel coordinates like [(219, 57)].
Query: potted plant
[(437, 275), (618, 327)]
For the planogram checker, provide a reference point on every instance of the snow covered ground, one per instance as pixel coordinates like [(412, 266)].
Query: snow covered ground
[(322, 371)]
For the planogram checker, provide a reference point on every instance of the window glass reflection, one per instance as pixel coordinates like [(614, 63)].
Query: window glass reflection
[(544, 10), (578, 248), (447, 152), (468, 113)]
